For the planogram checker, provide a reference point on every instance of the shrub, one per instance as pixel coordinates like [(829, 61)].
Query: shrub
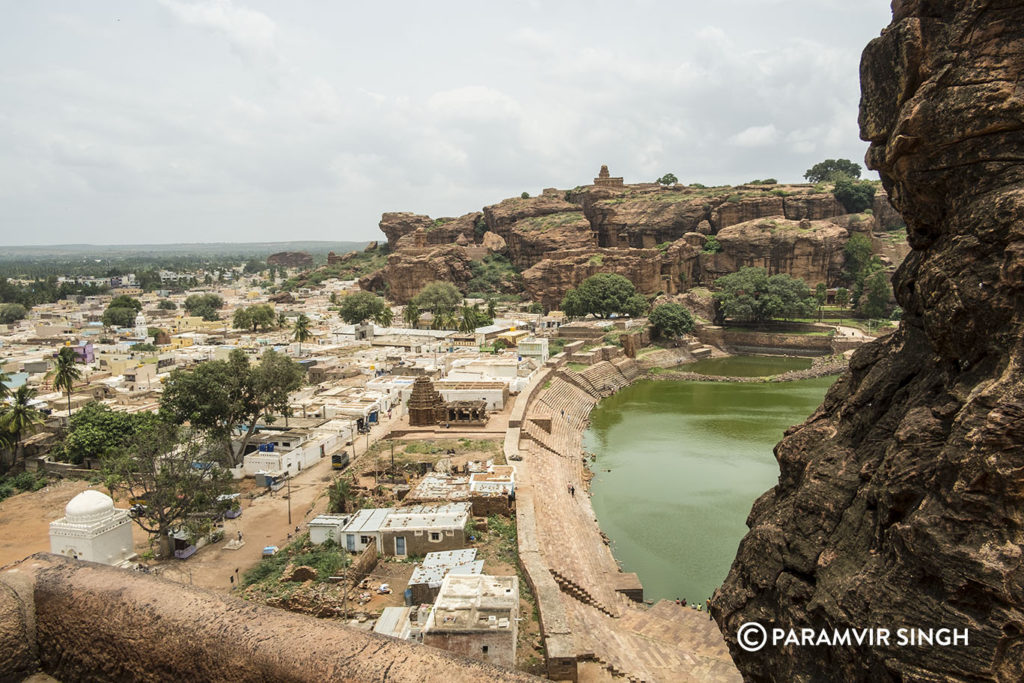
[(525, 195), (855, 196), (712, 245)]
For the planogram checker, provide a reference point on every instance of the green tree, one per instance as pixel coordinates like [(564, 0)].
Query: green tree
[(66, 372), (20, 418), (525, 195), (668, 179), (167, 305), (411, 314), (385, 317), (220, 396), (603, 295), (5, 390), (858, 255), (438, 297), (469, 319), (125, 301), (282, 319), (242, 319), (96, 430), (12, 313), (491, 308), (168, 468), (749, 295), (711, 245), (831, 169), (874, 302), (300, 331), (670, 320), (204, 306), (257, 317), (360, 307), (842, 298), (855, 196), (820, 295), (119, 317), (339, 496)]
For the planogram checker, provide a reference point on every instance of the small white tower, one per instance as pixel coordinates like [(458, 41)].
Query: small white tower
[(141, 330)]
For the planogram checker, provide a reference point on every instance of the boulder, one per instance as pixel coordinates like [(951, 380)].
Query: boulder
[(407, 272), (494, 242), (290, 259)]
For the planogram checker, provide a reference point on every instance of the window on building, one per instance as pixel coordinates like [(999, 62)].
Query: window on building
[(435, 535), (484, 648), (366, 540)]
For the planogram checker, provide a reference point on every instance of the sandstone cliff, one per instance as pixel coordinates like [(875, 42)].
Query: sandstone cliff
[(559, 238), (809, 250), (900, 501), (408, 271)]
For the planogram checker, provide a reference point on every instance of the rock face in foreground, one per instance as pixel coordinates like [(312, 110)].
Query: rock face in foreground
[(900, 502)]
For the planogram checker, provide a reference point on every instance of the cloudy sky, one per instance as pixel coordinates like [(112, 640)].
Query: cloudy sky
[(141, 121)]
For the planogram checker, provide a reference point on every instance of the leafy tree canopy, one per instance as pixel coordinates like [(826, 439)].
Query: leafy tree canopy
[(749, 295), (858, 255), (362, 306), (668, 179), (855, 196), (671, 320), (602, 295), (832, 169), (12, 313), (874, 302), (204, 306), (119, 317), (256, 317), (96, 430), (167, 305), (438, 297), (167, 467), (125, 301), (219, 397)]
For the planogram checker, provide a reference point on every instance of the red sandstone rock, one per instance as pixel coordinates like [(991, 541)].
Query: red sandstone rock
[(290, 259)]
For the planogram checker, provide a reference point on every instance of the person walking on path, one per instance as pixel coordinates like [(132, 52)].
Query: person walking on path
[(707, 603)]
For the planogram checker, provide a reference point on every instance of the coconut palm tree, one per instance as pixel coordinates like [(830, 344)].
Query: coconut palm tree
[(5, 390), (411, 314), (66, 373), (301, 329), (21, 417), (385, 317), (469, 319)]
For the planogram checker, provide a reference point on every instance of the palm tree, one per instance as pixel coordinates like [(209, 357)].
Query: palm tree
[(491, 308), (468, 320), (282, 319), (66, 373), (21, 416), (411, 315), (385, 317), (5, 390), (301, 329)]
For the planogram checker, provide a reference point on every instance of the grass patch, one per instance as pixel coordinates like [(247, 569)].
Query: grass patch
[(18, 483)]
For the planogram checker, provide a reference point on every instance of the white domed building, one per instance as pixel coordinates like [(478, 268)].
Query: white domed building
[(93, 529)]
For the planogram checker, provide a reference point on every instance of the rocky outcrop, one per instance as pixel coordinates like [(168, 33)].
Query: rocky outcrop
[(899, 501), (408, 271), (98, 623), (886, 217), (290, 259), (405, 230), (652, 271), (646, 219), (813, 207), (809, 250), (535, 226), (743, 210)]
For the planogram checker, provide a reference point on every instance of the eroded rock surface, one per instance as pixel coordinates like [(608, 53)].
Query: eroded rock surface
[(900, 502)]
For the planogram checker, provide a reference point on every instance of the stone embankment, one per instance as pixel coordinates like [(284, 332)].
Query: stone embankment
[(832, 366), (591, 612)]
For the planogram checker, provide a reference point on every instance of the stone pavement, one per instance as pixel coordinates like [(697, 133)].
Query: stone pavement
[(583, 615)]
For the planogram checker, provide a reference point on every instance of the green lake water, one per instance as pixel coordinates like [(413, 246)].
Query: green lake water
[(687, 460)]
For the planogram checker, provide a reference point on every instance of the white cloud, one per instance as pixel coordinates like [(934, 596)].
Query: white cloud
[(250, 32), (756, 136)]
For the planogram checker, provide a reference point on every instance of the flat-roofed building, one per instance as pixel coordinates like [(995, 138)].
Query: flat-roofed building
[(423, 529), (476, 616)]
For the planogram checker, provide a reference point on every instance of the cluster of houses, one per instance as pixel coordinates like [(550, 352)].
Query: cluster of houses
[(450, 602)]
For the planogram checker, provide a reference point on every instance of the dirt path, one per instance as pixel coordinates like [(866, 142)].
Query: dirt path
[(25, 523)]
